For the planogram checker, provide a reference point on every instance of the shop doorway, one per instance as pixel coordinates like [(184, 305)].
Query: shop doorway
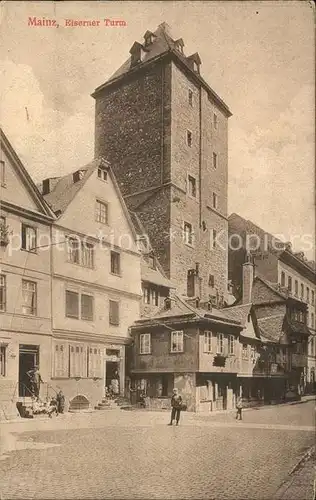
[(112, 373), (28, 358)]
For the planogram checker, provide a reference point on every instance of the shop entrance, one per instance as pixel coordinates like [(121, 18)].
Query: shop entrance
[(28, 358), (112, 371)]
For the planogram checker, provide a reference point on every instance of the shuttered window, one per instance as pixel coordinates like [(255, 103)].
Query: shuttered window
[(61, 360), (95, 362), (72, 304), (114, 312), (86, 307), (207, 342), (77, 360), (145, 343)]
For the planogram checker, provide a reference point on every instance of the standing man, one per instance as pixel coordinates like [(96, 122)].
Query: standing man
[(239, 408), (36, 380), (60, 399), (176, 404)]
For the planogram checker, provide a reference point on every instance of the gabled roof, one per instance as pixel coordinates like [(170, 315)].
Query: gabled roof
[(181, 311), (66, 189), (297, 327), (239, 313), (271, 327), (162, 45), (25, 176), (273, 287), (155, 276), (278, 293)]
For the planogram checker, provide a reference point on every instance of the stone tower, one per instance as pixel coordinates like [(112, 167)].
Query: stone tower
[(164, 131)]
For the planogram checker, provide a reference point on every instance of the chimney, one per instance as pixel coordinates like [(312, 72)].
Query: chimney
[(247, 281)]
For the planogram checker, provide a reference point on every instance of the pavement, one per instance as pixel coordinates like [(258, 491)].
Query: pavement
[(119, 454)]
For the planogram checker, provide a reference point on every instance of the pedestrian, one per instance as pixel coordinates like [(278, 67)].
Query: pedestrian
[(52, 407), (60, 398), (35, 380), (176, 404), (115, 384), (239, 408)]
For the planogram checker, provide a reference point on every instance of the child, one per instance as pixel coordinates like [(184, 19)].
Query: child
[(52, 408)]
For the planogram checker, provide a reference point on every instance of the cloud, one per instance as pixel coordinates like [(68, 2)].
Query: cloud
[(49, 142)]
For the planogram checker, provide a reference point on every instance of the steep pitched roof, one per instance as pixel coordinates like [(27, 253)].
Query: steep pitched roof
[(239, 313), (271, 327), (154, 276), (66, 189), (182, 311), (298, 327), (273, 287), (162, 45), (25, 176)]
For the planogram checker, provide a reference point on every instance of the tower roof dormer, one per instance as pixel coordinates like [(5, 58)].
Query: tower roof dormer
[(194, 62), (137, 52)]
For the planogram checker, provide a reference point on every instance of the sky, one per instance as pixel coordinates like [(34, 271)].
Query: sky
[(258, 56)]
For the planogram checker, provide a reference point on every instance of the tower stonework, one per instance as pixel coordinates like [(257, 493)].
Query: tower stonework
[(164, 131)]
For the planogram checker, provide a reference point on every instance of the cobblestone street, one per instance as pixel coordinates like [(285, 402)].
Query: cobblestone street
[(129, 455)]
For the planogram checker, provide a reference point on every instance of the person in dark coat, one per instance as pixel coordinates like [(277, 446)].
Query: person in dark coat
[(176, 404), (239, 408), (60, 398), (35, 381)]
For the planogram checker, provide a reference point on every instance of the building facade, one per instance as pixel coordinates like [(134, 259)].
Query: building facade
[(25, 293), (191, 348), (164, 130), (96, 282), (275, 261), (282, 322)]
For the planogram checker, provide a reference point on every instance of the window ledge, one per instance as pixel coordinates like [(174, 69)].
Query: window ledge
[(176, 352), (28, 251), (118, 275), (189, 245), (80, 265), (195, 198)]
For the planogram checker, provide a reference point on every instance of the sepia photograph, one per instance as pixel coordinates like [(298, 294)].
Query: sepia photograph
[(157, 250)]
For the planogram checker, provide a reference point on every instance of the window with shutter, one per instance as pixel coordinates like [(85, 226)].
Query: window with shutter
[(177, 341), (72, 304), (77, 360), (114, 318), (145, 343), (220, 343), (61, 360), (207, 341), (87, 307)]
